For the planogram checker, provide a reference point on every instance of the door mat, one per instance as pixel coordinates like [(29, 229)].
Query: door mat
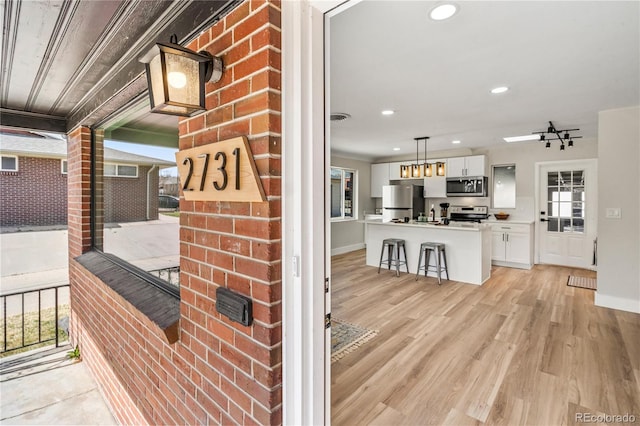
[(346, 338), (582, 282)]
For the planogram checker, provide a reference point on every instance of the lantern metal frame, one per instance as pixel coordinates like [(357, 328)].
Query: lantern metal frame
[(209, 70)]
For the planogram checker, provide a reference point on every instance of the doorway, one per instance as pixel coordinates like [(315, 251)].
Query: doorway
[(567, 206)]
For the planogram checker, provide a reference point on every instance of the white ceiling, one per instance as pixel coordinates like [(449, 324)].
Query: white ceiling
[(563, 61)]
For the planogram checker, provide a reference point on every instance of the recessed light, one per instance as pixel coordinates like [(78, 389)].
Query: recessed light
[(396, 149), (455, 142), (535, 137), (388, 112), (443, 11), (500, 89)]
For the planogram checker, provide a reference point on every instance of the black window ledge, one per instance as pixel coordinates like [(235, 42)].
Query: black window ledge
[(157, 300)]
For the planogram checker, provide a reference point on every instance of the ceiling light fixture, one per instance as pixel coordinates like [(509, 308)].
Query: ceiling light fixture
[(396, 149), (443, 11), (501, 89), (426, 167), (522, 138), (455, 142), (388, 112), (552, 131), (176, 77)]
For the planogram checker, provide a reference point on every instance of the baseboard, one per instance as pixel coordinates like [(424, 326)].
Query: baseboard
[(620, 303), (347, 249)]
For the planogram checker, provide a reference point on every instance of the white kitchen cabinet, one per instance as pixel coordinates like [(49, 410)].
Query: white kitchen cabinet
[(435, 187), (379, 178), (473, 165), (512, 245)]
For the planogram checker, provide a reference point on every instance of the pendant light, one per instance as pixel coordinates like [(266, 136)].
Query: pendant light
[(428, 168), (415, 168), (440, 168)]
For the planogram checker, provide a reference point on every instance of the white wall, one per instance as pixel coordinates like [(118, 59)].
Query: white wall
[(619, 187), (349, 236)]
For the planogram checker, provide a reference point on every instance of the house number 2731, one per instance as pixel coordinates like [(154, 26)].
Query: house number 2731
[(221, 158), (213, 172)]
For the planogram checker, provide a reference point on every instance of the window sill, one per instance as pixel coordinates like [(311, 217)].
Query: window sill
[(156, 300)]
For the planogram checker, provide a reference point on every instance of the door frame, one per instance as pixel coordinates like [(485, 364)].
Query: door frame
[(306, 261), (537, 204)]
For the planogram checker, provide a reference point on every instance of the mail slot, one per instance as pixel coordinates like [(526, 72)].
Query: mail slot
[(234, 306)]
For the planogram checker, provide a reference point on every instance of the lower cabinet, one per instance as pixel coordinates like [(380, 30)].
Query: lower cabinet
[(512, 245)]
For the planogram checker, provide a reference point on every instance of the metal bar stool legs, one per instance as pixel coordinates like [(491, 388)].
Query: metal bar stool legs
[(441, 260), (393, 246)]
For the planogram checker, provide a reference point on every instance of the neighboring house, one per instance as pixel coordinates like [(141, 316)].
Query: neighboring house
[(33, 183), (169, 185)]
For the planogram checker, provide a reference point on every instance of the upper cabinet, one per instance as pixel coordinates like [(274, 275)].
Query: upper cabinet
[(394, 170), (473, 165), (379, 178)]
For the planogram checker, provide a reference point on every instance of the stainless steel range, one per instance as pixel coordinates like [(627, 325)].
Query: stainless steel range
[(468, 213)]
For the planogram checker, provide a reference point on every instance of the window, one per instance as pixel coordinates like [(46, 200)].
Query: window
[(343, 194), (9, 163), (566, 199), (120, 170), (64, 167)]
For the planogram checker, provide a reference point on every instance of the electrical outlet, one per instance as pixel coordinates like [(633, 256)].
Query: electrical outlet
[(612, 213)]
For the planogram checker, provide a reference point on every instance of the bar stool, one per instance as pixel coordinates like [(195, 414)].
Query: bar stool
[(441, 256), (393, 254)]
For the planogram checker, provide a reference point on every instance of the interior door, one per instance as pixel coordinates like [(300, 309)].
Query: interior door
[(568, 209)]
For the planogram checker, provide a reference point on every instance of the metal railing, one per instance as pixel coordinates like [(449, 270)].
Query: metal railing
[(170, 275), (42, 308)]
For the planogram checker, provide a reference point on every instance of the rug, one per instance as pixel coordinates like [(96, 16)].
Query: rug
[(346, 338), (582, 282)]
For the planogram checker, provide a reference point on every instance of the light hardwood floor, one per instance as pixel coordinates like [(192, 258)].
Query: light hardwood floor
[(524, 348)]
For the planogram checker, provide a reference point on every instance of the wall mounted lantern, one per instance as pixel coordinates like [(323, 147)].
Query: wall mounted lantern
[(177, 76)]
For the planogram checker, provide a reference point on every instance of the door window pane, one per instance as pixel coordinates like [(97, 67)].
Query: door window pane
[(566, 201)]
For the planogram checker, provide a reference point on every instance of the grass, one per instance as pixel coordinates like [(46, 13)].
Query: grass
[(174, 214), (14, 330)]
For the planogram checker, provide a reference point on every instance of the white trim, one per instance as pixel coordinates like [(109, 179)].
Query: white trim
[(615, 302), (118, 169), (9, 170), (62, 163), (303, 229), (347, 249)]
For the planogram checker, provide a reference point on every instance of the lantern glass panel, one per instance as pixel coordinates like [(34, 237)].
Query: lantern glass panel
[(155, 72), (183, 79)]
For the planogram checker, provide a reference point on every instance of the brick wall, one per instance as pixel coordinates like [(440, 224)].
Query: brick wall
[(125, 198), (35, 195), (218, 371)]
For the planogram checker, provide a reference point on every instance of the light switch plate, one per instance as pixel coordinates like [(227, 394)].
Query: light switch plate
[(612, 213)]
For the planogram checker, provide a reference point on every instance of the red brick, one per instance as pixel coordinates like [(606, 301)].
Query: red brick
[(235, 245), (267, 293), (220, 330), (236, 358), (236, 15), (266, 37), (234, 92), (239, 284), (250, 65), (219, 259), (237, 128), (195, 123), (254, 228)]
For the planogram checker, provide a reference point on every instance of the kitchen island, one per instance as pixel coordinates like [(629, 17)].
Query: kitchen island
[(468, 247)]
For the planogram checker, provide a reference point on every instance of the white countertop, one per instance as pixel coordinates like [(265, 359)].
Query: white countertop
[(517, 222), (457, 227)]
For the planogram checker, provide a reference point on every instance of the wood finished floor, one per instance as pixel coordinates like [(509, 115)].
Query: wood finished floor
[(523, 349)]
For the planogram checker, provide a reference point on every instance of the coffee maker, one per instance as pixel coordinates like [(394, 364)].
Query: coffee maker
[(444, 213)]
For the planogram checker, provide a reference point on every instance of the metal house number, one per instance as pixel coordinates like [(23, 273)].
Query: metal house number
[(220, 156)]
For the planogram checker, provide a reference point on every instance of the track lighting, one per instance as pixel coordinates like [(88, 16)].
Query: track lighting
[(553, 134)]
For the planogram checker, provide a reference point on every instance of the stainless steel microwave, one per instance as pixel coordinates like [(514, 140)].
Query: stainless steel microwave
[(467, 187)]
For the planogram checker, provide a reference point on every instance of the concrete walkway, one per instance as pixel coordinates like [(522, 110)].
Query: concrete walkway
[(49, 390)]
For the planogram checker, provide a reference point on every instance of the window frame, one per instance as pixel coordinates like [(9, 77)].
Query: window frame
[(118, 165), (354, 205), (64, 162), (9, 156)]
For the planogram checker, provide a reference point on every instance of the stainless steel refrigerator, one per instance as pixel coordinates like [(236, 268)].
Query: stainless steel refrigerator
[(402, 201)]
